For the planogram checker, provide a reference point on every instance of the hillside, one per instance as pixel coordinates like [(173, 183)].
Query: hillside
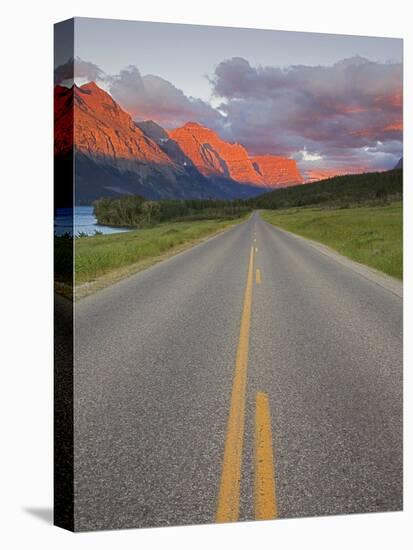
[(340, 191)]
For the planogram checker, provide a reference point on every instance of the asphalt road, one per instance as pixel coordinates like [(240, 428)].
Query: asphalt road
[(206, 390)]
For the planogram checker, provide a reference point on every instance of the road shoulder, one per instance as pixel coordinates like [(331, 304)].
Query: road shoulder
[(385, 281), (85, 289)]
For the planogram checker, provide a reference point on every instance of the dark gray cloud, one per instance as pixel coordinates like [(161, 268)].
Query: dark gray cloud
[(347, 116), (353, 105)]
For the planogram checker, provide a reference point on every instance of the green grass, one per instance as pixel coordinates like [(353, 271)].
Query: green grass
[(120, 254), (370, 235)]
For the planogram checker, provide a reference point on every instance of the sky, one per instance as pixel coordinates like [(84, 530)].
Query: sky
[(332, 102)]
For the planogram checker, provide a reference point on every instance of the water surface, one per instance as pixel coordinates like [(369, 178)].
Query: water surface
[(84, 222)]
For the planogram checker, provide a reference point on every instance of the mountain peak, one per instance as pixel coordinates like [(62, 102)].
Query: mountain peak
[(92, 90), (277, 171), (92, 86), (106, 135), (194, 125), (213, 156), (105, 132)]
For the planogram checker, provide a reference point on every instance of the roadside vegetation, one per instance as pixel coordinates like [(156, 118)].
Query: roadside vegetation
[(360, 216), (103, 259), (372, 235), (163, 229)]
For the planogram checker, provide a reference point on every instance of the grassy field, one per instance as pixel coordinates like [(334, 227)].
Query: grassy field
[(103, 259), (369, 235)]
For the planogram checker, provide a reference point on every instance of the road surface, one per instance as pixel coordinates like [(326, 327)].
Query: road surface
[(251, 376)]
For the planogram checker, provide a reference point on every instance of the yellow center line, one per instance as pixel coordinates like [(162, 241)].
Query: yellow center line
[(265, 492), (258, 276), (229, 491)]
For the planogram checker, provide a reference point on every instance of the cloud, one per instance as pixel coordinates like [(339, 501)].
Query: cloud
[(82, 71), (143, 96), (344, 117), (153, 97), (333, 112), (310, 157)]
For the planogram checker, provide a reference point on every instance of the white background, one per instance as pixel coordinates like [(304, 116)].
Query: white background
[(26, 272)]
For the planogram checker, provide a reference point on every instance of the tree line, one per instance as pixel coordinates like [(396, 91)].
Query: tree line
[(135, 211), (337, 192)]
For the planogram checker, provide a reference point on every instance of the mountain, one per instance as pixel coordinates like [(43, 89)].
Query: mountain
[(399, 165), (115, 155), (215, 157), (161, 137), (105, 133), (218, 185), (277, 171)]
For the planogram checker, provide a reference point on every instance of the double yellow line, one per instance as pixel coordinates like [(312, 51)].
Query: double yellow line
[(230, 486)]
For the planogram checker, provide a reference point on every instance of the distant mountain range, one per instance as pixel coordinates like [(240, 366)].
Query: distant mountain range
[(116, 156)]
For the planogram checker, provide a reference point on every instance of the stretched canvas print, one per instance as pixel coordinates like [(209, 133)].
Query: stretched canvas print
[(228, 274)]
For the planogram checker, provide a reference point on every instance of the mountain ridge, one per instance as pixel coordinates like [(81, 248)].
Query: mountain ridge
[(213, 155), (116, 155)]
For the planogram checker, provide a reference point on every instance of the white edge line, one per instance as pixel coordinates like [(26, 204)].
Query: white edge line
[(381, 279)]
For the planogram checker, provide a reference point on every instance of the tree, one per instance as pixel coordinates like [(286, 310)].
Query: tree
[(151, 211)]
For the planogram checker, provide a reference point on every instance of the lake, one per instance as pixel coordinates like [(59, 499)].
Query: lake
[(84, 221)]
